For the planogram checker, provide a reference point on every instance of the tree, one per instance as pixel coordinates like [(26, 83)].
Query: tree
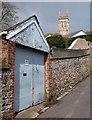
[(66, 41), (8, 15), (56, 40)]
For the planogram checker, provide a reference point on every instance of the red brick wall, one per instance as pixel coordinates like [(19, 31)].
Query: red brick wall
[(47, 76), (4, 47), (8, 52)]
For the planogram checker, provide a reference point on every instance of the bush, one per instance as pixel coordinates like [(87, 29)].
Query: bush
[(56, 41)]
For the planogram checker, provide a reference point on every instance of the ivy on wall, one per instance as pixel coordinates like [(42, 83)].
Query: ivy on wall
[(3, 62)]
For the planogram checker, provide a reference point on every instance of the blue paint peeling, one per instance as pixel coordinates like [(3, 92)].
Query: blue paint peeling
[(31, 37)]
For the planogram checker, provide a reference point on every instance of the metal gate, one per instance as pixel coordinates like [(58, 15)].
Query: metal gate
[(29, 90)]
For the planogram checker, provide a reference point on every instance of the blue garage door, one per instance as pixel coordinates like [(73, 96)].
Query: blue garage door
[(30, 88), (38, 77), (25, 99)]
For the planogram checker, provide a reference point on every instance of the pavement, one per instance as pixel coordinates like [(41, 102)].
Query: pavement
[(75, 105)]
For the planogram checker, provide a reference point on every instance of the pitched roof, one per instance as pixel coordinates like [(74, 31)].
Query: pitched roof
[(20, 23), (79, 43), (13, 31), (13, 27), (73, 33)]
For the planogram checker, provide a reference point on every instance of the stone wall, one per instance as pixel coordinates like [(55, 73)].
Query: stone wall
[(7, 88), (0, 94), (90, 57), (65, 73)]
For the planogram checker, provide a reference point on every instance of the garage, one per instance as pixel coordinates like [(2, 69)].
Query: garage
[(31, 50)]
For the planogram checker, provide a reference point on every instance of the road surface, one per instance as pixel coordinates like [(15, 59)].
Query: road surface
[(75, 105)]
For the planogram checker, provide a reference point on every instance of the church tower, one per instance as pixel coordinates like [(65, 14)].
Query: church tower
[(63, 24)]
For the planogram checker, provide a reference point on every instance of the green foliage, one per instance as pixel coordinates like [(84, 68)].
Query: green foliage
[(88, 37), (89, 32), (66, 42), (56, 41), (70, 40), (4, 61)]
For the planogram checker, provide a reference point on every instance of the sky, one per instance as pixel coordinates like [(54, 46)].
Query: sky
[(47, 14)]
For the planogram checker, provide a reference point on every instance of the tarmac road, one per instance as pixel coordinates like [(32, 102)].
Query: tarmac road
[(75, 105)]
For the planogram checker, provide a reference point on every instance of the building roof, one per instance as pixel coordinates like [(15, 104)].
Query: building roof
[(79, 43), (20, 23), (74, 34), (19, 27)]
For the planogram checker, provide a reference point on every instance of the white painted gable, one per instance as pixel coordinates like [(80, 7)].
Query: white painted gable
[(29, 34), (79, 34)]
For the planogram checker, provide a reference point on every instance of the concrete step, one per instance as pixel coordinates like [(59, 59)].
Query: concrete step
[(31, 112)]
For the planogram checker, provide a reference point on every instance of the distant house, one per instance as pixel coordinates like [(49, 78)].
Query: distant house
[(79, 43), (28, 57), (76, 34)]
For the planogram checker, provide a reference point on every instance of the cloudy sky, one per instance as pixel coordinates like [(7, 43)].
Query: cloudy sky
[(47, 14)]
